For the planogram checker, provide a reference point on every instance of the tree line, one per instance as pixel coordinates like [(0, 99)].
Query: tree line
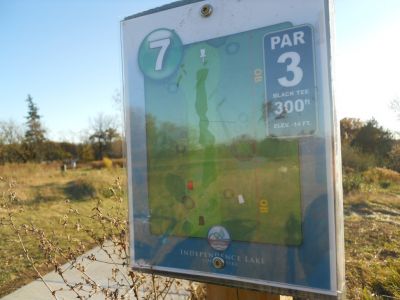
[(32, 144), (367, 144), (364, 144)]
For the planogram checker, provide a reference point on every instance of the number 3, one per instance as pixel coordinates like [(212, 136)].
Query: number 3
[(163, 45), (292, 67)]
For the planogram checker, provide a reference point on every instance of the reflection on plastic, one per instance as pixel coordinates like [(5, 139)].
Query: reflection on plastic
[(210, 168)]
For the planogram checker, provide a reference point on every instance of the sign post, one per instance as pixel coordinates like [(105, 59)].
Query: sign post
[(233, 152), (217, 292)]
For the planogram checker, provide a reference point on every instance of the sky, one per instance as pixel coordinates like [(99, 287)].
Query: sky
[(67, 55), (367, 59)]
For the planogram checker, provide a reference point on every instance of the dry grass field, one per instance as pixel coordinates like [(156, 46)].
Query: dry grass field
[(372, 236), (54, 202), (58, 203)]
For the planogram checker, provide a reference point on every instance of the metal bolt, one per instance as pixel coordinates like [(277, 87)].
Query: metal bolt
[(206, 10), (218, 262)]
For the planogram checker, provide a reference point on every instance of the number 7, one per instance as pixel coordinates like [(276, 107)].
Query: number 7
[(163, 45)]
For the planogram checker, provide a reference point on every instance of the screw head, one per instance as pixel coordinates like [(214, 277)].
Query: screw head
[(206, 10), (218, 262)]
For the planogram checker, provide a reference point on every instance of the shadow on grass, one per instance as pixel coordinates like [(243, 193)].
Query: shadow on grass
[(360, 208), (79, 190)]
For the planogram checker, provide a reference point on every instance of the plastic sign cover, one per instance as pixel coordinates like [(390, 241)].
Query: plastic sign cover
[(230, 134)]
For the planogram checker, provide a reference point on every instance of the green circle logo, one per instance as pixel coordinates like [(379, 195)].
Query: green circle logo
[(160, 54)]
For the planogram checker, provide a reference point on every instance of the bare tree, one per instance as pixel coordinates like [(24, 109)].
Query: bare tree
[(395, 106), (10, 132), (119, 107), (103, 131)]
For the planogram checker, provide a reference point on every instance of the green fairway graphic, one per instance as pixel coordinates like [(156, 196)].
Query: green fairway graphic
[(210, 162)]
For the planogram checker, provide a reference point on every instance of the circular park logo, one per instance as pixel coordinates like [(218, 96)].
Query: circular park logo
[(219, 238)]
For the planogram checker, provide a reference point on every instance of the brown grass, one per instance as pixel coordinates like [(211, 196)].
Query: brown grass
[(372, 222), (375, 175), (44, 197), (372, 238)]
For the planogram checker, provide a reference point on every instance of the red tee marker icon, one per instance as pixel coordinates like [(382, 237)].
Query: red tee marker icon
[(189, 185)]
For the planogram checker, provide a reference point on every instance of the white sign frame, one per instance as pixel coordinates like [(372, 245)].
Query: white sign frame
[(184, 17)]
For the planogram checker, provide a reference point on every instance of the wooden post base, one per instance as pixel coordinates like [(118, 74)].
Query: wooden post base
[(217, 292)]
